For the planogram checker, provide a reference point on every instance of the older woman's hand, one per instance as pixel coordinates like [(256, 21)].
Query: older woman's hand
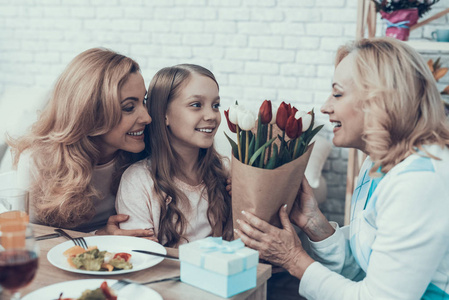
[(306, 214), (279, 246)]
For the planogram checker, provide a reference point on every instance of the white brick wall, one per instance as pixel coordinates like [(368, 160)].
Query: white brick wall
[(258, 49)]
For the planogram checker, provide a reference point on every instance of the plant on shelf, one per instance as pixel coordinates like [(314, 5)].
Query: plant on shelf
[(400, 15), (389, 6)]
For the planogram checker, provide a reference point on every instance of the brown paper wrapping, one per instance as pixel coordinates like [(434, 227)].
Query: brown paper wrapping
[(262, 192)]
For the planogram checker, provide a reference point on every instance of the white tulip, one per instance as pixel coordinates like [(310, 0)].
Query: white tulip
[(240, 112), (306, 121), (233, 114), (247, 120), (300, 114)]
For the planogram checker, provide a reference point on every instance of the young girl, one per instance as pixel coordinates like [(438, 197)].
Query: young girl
[(90, 131), (180, 190)]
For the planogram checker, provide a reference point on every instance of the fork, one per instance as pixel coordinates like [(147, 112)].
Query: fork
[(124, 282), (79, 241)]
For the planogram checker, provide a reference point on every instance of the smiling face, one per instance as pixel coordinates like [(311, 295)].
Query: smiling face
[(344, 107), (193, 115), (128, 134)]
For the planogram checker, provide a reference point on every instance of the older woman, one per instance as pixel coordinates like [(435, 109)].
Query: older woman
[(385, 103)]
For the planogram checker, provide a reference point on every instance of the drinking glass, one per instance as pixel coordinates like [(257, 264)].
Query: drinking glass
[(13, 193), (14, 199), (18, 257)]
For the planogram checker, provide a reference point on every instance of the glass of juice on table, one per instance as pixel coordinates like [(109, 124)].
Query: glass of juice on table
[(13, 192), (14, 199), (18, 257)]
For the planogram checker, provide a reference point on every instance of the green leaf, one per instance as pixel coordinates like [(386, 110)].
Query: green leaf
[(243, 145), (263, 136), (261, 159), (312, 134), (305, 143), (259, 151), (270, 135), (251, 146), (272, 161), (285, 158), (282, 148), (235, 149), (298, 149)]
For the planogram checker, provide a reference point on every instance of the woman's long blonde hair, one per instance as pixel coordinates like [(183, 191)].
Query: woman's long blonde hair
[(84, 104), (402, 106), (165, 162)]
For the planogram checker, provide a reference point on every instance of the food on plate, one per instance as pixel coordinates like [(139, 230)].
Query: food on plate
[(93, 259), (104, 292)]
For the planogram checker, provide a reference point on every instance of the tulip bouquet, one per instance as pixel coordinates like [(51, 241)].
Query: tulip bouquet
[(269, 157), (296, 126)]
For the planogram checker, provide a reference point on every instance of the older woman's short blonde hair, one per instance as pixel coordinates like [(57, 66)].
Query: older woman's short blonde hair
[(403, 108)]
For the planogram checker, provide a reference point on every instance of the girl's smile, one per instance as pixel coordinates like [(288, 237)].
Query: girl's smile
[(193, 115)]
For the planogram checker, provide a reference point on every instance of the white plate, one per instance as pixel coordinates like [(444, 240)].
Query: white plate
[(74, 289), (111, 243)]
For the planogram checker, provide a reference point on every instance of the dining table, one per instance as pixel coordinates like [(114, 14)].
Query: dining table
[(47, 274)]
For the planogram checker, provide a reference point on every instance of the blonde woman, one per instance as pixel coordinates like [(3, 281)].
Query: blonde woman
[(90, 131), (385, 103), (180, 190)]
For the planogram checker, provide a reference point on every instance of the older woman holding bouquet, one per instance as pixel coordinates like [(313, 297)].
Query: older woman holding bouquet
[(385, 103)]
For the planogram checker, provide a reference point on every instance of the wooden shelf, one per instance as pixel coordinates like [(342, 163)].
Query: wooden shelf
[(425, 45)]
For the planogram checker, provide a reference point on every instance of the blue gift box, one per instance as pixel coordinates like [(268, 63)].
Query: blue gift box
[(220, 267)]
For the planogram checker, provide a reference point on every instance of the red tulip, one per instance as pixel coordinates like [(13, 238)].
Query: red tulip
[(293, 111), (282, 115), (231, 126), (293, 129), (265, 113)]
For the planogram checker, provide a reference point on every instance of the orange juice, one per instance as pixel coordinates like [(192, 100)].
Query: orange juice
[(12, 235), (14, 216), (12, 229)]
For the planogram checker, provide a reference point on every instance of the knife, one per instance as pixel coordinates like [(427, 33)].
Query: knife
[(47, 236), (157, 254)]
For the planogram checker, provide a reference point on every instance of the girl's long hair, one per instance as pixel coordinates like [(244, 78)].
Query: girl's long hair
[(165, 162), (84, 104), (402, 106)]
